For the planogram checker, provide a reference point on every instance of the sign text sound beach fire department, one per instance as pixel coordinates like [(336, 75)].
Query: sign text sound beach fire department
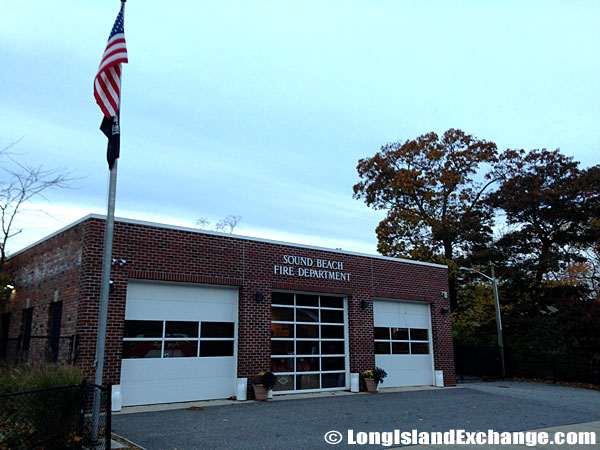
[(306, 267)]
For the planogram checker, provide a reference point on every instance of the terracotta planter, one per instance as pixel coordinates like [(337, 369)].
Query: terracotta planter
[(260, 392), (371, 385)]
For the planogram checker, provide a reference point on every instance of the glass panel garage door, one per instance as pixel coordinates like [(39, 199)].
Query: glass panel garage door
[(308, 345)]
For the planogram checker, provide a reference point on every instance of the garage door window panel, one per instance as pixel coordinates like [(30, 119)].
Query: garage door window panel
[(400, 334), (332, 332), (307, 331), (282, 314), (282, 330), (181, 329), (143, 329), (332, 316), (419, 348), (318, 329), (282, 364), (382, 348), (307, 347), (332, 380), (332, 347), (142, 349), (419, 334), (282, 298), (307, 315), (332, 302), (382, 333), (307, 300), (401, 341), (330, 364), (180, 349), (282, 347), (216, 339), (400, 348), (140, 341), (308, 382), (307, 364), (217, 330), (216, 348)]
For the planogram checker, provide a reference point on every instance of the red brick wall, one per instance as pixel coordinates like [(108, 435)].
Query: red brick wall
[(43, 274), (161, 253)]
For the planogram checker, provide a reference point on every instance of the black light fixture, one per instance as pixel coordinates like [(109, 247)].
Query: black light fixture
[(364, 304), (10, 285), (259, 298), (111, 286), (444, 310)]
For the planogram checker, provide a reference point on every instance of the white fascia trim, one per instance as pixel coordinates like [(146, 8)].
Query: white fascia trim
[(228, 235), (51, 235)]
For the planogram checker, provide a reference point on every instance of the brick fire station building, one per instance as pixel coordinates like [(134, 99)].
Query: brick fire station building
[(193, 310)]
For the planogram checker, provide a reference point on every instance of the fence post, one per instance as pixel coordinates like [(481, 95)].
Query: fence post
[(81, 421), (108, 424)]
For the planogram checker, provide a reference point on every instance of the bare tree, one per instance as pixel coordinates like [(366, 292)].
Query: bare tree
[(203, 223), (20, 183), (228, 224), (225, 225)]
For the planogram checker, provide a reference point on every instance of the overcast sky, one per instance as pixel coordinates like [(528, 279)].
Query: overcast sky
[(263, 108)]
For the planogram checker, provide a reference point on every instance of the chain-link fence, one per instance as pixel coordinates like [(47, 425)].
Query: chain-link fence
[(474, 361), (58, 418), (44, 418), (38, 350), (97, 418)]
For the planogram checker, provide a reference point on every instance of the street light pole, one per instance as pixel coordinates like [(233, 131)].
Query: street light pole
[(498, 320), (497, 303)]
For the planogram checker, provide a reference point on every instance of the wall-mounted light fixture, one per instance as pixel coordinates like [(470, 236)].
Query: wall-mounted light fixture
[(444, 294), (111, 286), (259, 298), (364, 304), (444, 310), (10, 286)]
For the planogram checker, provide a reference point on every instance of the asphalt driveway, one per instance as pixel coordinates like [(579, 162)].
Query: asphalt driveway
[(302, 423)]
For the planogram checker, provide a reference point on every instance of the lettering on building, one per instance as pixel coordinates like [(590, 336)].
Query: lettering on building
[(306, 267)]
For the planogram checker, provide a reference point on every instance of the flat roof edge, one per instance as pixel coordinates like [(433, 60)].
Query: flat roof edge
[(57, 232), (235, 236)]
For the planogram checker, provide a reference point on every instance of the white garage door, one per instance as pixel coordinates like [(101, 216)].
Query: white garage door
[(179, 344), (403, 346)]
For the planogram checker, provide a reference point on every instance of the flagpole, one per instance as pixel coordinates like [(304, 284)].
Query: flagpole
[(104, 292)]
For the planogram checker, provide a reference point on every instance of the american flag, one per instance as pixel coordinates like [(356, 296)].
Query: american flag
[(107, 84)]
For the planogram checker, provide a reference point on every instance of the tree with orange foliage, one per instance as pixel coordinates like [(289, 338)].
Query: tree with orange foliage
[(435, 208)]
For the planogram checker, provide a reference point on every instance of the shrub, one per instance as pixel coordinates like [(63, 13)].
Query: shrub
[(49, 417)]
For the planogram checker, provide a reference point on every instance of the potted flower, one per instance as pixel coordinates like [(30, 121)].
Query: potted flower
[(263, 383), (373, 377)]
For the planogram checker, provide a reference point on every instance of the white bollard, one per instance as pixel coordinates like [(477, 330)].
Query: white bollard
[(242, 389), (354, 382), (439, 378), (270, 393), (116, 400)]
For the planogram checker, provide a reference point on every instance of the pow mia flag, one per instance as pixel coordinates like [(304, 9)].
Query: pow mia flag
[(110, 128)]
